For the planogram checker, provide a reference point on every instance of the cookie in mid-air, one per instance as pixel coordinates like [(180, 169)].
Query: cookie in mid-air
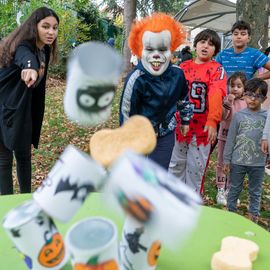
[(136, 134)]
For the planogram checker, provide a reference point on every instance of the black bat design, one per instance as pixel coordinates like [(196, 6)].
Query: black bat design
[(65, 186)]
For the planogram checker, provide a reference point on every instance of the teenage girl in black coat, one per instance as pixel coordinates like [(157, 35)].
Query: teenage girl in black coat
[(24, 59)]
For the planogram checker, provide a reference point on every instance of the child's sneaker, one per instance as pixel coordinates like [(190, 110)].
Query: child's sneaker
[(221, 197), (267, 169)]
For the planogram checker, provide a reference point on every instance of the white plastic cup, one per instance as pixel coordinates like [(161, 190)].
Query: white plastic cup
[(154, 197), (94, 69), (139, 249), (69, 182), (93, 242), (36, 237)]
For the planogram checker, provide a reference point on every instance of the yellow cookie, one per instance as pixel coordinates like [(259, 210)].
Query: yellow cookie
[(136, 134), (237, 245), (228, 260), (235, 254)]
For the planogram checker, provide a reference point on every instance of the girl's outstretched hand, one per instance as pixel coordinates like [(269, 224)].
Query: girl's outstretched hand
[(29, 76)]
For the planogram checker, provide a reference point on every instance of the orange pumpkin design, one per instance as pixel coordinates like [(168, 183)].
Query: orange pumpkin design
[(108, 265), (154, 253), (53, 252), (139, 207)]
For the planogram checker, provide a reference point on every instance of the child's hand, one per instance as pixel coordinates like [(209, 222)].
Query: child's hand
[(264, 146), (226, 168), (184, 129), (231, 97), (212, 134)]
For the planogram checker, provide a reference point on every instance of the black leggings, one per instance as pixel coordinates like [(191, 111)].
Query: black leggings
[(23, 166)]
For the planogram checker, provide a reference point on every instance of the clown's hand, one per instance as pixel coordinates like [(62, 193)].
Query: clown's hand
[(184, 129)]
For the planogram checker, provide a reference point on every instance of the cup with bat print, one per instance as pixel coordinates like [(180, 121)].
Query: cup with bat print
[(71, 179)]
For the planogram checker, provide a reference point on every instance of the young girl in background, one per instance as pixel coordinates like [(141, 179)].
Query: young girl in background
[(232, 103)]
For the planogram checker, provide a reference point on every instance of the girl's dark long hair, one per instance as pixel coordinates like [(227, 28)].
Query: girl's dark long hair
[(27, 31)]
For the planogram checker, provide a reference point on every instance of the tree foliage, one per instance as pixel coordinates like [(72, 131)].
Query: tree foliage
[(145, 7), (89, 15), (8, 13)]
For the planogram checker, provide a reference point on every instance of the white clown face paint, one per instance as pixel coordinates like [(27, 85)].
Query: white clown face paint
[(156, 52)]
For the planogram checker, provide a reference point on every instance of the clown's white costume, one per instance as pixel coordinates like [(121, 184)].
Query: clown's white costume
[(156, 88)]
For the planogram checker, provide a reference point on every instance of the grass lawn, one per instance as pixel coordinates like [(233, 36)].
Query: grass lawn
[(58, 132)]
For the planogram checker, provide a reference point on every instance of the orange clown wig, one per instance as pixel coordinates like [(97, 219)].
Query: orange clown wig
[(156, 23)]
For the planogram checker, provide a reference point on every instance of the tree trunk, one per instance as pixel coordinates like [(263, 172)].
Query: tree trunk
[(129, 16), (255, 12)]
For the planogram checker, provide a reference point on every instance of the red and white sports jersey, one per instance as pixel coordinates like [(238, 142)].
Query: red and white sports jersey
[(207, 87)]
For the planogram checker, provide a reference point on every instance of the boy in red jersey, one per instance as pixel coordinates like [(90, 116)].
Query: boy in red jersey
[(207, 87)]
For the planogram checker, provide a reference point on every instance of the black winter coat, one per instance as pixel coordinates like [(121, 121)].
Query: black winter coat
[(22, 108)]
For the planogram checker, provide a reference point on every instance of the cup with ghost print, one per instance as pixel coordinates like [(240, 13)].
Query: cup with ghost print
[(139, 247), (92, 244), (72, 178), (36, 237), (94, 69)]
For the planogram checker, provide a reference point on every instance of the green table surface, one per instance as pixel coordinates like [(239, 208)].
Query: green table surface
[(194, 254)]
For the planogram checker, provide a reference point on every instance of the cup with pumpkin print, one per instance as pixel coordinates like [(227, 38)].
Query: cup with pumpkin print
[(36, 237), (139, 247), (92, 244), (153, 197)]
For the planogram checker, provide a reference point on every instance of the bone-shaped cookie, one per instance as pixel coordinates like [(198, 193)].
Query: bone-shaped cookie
[(235, 254), (136, 134)]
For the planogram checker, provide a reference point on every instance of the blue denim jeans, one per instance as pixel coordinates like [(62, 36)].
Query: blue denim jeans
[(23, 166), (255, 180)]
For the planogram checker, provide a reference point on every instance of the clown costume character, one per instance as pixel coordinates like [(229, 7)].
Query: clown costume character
[(207, 87), (155, 88)]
